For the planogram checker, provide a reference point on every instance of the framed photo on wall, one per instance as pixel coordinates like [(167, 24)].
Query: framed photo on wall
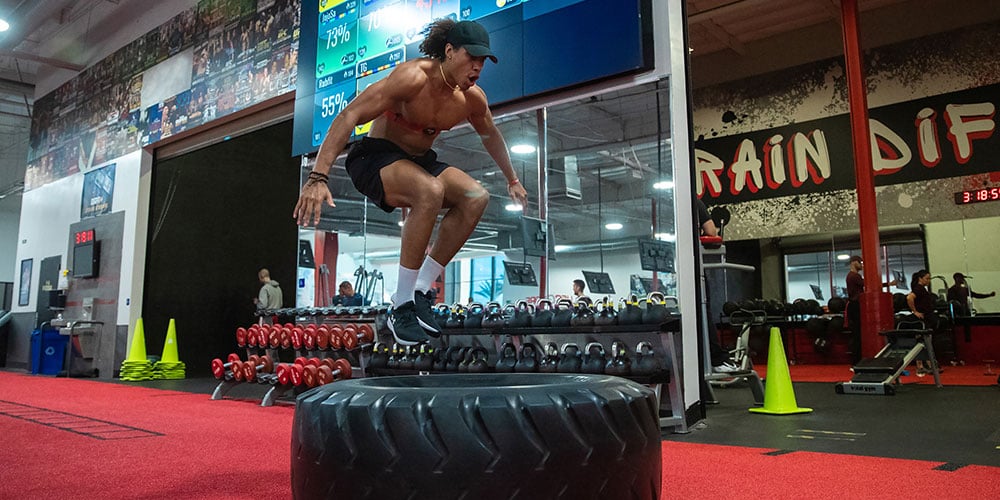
[(24, 293)]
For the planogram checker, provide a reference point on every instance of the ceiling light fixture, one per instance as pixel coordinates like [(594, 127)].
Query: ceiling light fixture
[(663, 185), (613, 226), (665, 237), (513, 207), (4, 25), (561, 248), (843, 256), (522, 149)]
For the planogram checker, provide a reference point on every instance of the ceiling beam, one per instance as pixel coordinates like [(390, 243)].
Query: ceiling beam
[(56, 63), (720, 34)]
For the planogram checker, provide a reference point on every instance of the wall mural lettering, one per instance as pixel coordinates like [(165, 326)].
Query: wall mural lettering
[(244, 52), (936, 137), (776, 148)]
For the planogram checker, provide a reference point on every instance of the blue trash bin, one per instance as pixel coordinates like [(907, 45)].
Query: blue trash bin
[(48, 351)]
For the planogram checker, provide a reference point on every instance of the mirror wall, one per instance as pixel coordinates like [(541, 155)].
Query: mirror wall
[(609, 175)]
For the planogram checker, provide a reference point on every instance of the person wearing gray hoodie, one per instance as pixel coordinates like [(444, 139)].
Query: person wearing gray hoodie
[(269, 297)]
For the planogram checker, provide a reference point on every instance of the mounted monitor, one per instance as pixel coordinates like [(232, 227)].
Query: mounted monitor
[(598, 282), (900, 280), (535, 236), (86, 257), (656, 256), (520, 274), (347, 45), (817, 292)]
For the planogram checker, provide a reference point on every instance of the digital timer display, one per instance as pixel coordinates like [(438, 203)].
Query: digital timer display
[(82, 237), (977, 196)]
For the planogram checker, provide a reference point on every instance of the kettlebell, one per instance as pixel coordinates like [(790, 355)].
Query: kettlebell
[(478, 357), (474, 316), (393, 361), (630, 313), (594, 359), (550, 362), (527, 359), (656, 309), (425, 358), (463, 364), (441, 314), (543, 314), (380, 356), (407, 358), (583, 315), (457, 317), (455, 359), (441, 359), (493, 316), (570, 360), (563, 313), (646, 361), (619, 364), (522, 315), (508, 358), (605, 314)]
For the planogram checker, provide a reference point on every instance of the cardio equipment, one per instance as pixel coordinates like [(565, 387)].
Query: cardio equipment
[(879, 375)]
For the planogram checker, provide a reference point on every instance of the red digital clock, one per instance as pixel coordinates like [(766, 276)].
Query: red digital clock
[(977, 196), (82, 237)]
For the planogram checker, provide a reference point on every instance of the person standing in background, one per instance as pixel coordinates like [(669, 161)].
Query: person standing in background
[(269, 297), (959, 295)]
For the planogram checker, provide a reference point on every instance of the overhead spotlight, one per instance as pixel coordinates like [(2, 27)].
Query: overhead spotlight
[(843, 256), (561, 248), (522, 149), (665, 237), (663, 185), (613, 226), (4, 25), (400, 223), (513, 207)]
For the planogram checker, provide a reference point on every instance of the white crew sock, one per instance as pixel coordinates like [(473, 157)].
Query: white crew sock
[(404, 286), (429, 272)]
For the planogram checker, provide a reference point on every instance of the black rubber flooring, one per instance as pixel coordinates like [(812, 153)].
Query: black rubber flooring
[(955, 425)]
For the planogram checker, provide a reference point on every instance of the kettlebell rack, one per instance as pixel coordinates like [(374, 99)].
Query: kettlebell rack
[(664, 370)]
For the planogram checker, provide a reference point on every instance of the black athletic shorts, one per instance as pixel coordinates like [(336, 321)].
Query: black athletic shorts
[(367, 158)]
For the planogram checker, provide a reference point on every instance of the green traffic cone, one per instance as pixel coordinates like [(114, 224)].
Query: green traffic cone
[(137, 350)]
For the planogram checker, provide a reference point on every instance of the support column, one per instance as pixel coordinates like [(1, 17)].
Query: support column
[(876, 305)]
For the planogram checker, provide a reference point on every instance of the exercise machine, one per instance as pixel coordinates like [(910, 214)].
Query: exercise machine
[(741, 355), (880, 374)]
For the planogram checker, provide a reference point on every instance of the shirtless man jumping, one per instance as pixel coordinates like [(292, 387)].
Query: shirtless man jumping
[(394, 165)]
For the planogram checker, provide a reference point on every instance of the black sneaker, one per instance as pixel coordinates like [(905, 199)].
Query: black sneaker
[(424, 304), (404, 326)]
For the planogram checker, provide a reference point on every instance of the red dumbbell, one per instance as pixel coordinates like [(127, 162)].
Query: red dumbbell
[(336, 337), (219, 367), (255, 365), (355, 335), (322, 337), (296, 338), (241, 337), (325, 372)]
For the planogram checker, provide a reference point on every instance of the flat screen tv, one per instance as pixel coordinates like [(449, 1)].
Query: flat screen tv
[(86, 257)]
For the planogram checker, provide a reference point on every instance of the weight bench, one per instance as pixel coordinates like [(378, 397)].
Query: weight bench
[(879, 374)]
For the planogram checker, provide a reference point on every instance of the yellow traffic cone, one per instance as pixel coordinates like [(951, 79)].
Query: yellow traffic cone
[(170, 345), (137, 351), (779, 397)]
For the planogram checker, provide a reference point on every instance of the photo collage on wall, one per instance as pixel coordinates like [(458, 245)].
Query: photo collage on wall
[(243, 51)]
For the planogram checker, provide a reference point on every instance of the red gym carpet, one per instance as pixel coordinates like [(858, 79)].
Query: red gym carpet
[(68, 439)]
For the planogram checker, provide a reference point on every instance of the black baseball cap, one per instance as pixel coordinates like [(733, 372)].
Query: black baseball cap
[(473, 37)]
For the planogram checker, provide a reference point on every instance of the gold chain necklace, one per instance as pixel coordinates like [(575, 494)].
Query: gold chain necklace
[(445, 78)]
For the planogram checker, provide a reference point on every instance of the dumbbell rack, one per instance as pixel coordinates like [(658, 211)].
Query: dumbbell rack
[(664, 334), (293, 340)]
